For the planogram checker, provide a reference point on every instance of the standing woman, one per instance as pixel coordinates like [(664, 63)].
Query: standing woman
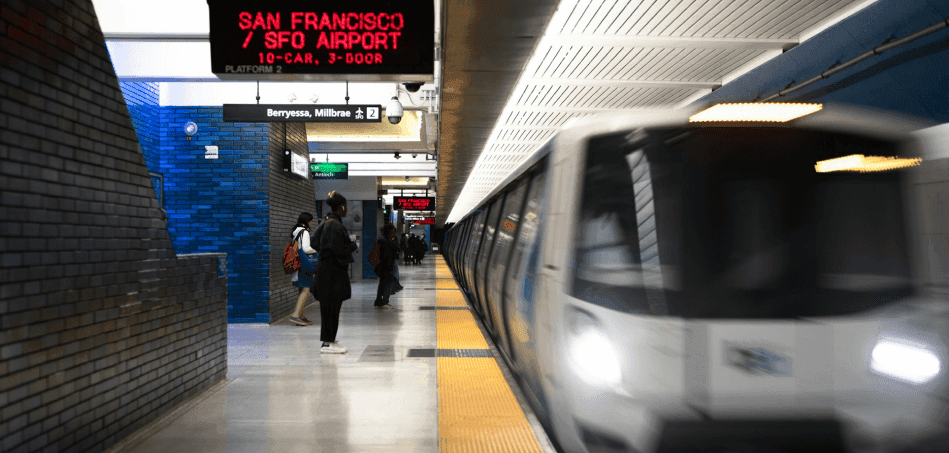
[(301, 234), (332, 272)]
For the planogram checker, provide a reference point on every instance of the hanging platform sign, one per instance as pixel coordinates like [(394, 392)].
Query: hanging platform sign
[(322, 113), (307, 40), (326, 170), (425, 221), (414, 203)]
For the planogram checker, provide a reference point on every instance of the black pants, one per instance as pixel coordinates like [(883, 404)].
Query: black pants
[(329, 319), (385, 288)]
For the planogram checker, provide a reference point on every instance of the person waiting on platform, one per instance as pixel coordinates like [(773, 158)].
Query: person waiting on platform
[(388, 253), (300, 233), (332, 272), (406, 252)]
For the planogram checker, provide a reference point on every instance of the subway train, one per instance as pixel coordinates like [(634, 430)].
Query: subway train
[(744, 278)]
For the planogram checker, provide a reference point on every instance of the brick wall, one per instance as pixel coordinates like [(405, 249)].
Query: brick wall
[(102, 328), (142, 101), (220, 205), (289, 196)]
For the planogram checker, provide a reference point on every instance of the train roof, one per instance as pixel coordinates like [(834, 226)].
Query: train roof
[(832, 117)]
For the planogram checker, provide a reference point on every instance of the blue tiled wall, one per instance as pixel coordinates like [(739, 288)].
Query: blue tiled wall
[(220, 205), (370, 232)]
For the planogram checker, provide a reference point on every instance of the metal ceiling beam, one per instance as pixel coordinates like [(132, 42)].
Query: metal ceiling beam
[(698, 85), (668, 41)]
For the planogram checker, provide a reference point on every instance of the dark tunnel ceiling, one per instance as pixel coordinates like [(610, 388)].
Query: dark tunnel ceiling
[(486, 46)]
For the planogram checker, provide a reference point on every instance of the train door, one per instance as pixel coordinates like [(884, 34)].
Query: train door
[(519, 300)]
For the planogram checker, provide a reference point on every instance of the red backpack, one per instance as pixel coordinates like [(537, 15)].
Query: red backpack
[(375, 255), (291, 258)]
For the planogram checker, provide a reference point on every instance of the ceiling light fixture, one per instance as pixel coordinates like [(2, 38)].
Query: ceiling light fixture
[(770, 112)]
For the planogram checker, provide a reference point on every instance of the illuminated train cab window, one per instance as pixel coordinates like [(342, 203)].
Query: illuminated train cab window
[(736, 223), (292, 39)]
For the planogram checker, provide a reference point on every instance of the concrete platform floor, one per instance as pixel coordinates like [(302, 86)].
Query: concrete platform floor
[(282, 395)]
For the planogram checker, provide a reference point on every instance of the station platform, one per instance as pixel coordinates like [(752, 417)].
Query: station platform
[(418, 378)]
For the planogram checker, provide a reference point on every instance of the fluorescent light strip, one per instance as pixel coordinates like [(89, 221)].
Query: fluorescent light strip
[(771, 112)]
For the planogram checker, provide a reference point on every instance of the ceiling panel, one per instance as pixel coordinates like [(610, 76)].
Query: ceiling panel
[(594, 56)]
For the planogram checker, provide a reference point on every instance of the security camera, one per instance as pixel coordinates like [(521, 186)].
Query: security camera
[(394, 110), (413, 87), (397, 156), (414, 156)]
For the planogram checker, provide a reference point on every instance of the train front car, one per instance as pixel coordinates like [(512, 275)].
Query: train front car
[(740, 286)]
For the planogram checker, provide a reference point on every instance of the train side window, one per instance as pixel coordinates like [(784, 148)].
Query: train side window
[(490, 233), (475, 246), (528, 242), (497, 264)]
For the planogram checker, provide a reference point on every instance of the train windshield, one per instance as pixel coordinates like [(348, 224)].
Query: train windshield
[(735, 222)]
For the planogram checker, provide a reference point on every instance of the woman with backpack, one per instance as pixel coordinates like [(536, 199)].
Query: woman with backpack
[(301, 236), (332, 272)]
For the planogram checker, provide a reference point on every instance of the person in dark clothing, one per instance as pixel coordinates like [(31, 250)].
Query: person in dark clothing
[(332, 272), (417, 249), (404, 245), (424, 248), (388, 252)]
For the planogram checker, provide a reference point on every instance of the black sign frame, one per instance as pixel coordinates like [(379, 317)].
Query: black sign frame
[(397, 203), (382, 40), (290, 113)]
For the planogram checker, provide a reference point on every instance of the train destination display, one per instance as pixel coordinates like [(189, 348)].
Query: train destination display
[(317, 113), (305, 40), (414, 203)]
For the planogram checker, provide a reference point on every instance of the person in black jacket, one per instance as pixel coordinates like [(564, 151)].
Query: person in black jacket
[(388, 252), (404, 245), (332, 272)]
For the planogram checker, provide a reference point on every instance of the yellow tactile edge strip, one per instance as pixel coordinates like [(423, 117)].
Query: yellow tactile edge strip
[(444, 283), (450, 299), (457, 330), (477, 412)]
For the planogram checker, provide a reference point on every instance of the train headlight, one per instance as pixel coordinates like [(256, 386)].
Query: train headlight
[(904, 361), (591, 354)]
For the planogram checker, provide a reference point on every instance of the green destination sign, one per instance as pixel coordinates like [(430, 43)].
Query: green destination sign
[(326, 170)]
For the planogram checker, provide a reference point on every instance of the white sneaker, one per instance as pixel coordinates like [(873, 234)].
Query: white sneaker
[(336, 343), (333, 348)]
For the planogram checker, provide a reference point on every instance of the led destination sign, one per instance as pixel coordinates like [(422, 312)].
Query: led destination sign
[(296, 39), (414, 203), (326, 170), (326, 113), (425, 221)]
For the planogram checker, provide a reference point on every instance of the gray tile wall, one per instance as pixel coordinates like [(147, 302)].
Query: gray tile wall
[(289, 196), (102, 327)]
